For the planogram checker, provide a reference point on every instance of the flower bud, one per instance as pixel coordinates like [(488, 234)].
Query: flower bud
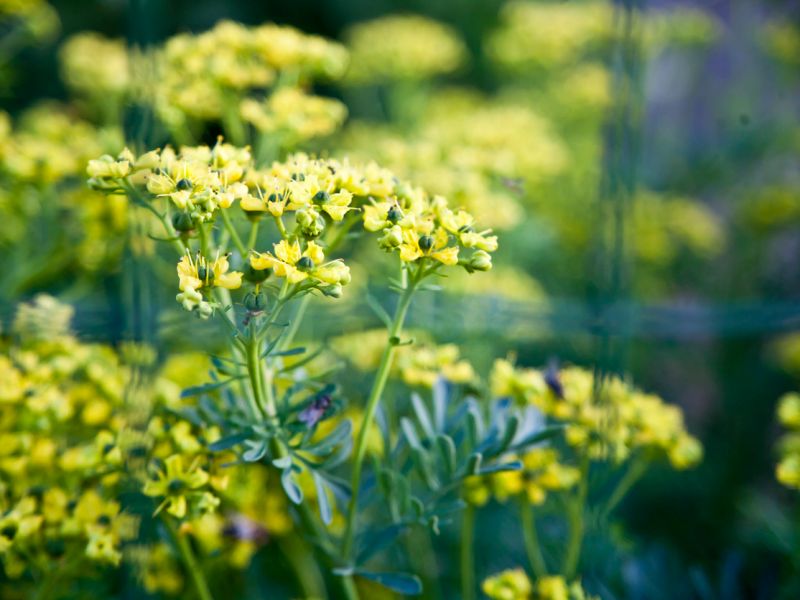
[(149, 160), (480, 261), (392, 238), (332, 291)]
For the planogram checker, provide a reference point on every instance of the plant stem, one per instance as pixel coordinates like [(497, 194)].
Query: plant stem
[(190, 562), (369, 415), (253, 237), (305, 568), (635, 470), (237, 241), (531, 537), (295, 324), (255, 373), (576, 523), (467, 553)]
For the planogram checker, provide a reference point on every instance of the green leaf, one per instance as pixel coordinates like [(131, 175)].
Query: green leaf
[(474, 464), (474, 426), (373, 542), (402, 583), (291, 352), (447, 452), (228, 442), (207, 387), (508, 435), (379, 310), (325, 511), (410, 433), (290, 486), (340, 434), (256, 450), (283, 462), (539, 436), (423, 416), (514, 465), (423, 464)]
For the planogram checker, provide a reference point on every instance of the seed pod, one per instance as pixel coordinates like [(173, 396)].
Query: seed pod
[(255, 275), (183, 222), (255, 302), (183, 185), (426, 242)]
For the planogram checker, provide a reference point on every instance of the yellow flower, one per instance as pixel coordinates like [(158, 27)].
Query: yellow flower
[(295, 264), (198, 274), (19, 523), (175, 484), (415, 246), (512, 584)]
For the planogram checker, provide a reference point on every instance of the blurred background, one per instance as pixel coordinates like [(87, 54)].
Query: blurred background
[(641, 169)]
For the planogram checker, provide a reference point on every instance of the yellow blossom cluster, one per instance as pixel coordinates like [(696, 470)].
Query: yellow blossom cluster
[(664, 226), (90, 77), (74, 433), (294, 116), (541, 473), (477, 153), (35, 17), (610, 420), (59, 402), (514, 584), (544, 35), (204, 75), (788, 469), (548, 34), (401, 48), (49, 144)]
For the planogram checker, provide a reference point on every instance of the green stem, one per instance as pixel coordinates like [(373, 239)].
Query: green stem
[(531, 537), (635, 470), (576, 524), (295, 324), (254, 372), (190, 562), (467, 553), (237, 241), (369, 415), (253, 237), (305, 568)]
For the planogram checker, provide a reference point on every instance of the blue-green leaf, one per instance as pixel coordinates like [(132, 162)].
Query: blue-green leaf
[(290, 486), (325, 511), (228, 442)]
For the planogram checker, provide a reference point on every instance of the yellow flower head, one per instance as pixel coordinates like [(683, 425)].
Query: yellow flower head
[(177, 484), (289, 260)]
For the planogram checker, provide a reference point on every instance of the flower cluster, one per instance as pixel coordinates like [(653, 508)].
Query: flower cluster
[(514, 584), (294, 116), (541, 474), (471, 151), (92, 78), (58, 407), (204, 75), (616, 423), (402, 47), (788, 469)]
